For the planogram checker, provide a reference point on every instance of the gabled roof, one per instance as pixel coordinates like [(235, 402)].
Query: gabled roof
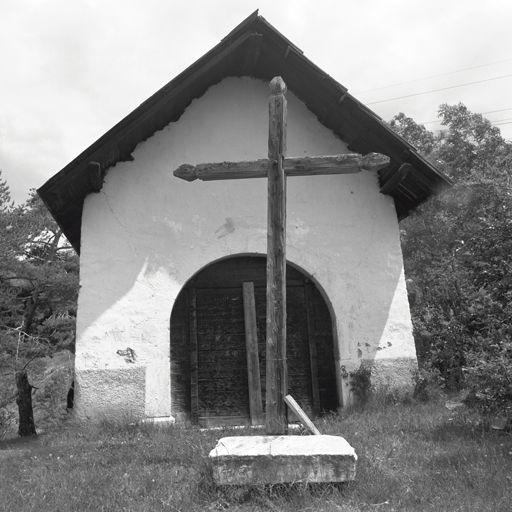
[(254, 48)]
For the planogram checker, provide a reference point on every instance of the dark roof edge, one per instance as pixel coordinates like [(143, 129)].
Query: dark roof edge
[(139, 111)]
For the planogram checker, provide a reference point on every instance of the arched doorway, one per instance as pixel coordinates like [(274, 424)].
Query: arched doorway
[(209, 375)]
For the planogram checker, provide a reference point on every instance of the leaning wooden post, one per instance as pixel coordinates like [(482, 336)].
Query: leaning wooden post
[(277, 375)]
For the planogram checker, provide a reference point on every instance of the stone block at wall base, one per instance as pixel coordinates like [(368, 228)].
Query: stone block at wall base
[(393, 374), (114, 394), (388, 377)]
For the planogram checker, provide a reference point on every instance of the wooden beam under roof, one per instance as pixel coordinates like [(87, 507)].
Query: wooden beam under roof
[(397, 178), (251, 59)]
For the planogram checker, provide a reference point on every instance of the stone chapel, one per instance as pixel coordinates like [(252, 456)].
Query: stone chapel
[(163, 262)]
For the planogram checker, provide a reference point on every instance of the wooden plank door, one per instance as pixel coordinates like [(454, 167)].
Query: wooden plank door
[(223, 395), (209, 371)]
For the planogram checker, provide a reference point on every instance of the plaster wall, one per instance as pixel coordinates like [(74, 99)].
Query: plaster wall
[(147, 233)]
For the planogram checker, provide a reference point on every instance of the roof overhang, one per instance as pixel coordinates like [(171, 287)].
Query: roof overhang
[(254, 48)]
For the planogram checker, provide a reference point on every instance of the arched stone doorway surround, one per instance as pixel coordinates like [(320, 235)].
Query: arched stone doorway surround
[(209, 374)]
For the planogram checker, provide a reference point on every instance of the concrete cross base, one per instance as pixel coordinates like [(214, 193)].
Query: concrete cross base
[(254, 460)]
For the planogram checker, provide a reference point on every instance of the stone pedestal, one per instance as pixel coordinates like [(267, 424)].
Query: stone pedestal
[(255, 460)]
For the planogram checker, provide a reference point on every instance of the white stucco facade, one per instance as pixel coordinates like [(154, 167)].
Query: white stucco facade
[(147, 233)]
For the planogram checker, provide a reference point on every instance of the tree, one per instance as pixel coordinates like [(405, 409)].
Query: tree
[(416, 134), (38, 291), (457, 256)]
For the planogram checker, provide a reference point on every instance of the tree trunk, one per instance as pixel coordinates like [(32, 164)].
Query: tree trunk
[(27, 426), (30, 310)]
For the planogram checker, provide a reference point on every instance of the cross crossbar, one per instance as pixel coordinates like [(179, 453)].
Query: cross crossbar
[(293, 166)]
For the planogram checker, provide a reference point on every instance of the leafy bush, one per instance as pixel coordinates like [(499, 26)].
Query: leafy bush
[(457, 252), (489, 379), (428, 384), (361, 384)]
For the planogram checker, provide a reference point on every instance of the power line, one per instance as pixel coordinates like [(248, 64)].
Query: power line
[(493, 111), (438, 90), (481, 113), (433, 76), (500, 120), (494, 123)]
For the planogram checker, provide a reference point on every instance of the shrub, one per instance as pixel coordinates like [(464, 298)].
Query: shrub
[(427, 384), (361, 384), (489, 380)]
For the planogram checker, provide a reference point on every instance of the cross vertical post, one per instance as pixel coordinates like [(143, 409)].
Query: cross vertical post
[(277, 374), (276, 168)]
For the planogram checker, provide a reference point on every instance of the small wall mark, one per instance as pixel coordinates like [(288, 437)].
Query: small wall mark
[(128, 354)]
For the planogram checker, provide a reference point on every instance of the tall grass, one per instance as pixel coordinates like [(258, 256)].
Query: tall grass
[(418, 457)]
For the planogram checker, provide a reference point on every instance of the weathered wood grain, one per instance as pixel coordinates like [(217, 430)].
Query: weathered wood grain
[(396, 178), (293, 166), (276, 375), (194, 393), (295, 407), (313, 356), (253, 360), (374, 162), (221, 352), (222, 359), (180, 357)]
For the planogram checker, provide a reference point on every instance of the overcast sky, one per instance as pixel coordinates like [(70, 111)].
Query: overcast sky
[(71, 69)]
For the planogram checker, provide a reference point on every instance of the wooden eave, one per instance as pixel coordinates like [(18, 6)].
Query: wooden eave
[(255, 49)]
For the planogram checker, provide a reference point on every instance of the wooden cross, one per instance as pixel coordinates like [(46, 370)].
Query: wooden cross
[(276, 168)]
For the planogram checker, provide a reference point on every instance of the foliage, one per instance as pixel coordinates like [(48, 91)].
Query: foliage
[(427, 385), (457, 252), (38, 278), (38, 285), (361, 384), (491, 380)]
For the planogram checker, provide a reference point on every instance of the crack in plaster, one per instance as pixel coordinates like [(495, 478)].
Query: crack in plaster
[(112, 210), (114, 215)]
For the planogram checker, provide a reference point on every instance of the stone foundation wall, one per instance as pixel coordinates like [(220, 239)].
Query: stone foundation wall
[(119, 394)]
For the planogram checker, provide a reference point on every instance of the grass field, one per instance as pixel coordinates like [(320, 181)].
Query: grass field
[(418, 457)]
